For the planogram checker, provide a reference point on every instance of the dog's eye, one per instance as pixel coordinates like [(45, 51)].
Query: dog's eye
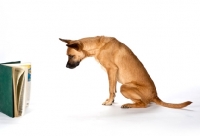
[(70, 56)]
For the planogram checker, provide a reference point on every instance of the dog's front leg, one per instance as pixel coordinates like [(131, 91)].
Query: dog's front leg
[(112, 73)]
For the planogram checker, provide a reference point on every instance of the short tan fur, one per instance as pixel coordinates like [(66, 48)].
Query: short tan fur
[(121, 65)]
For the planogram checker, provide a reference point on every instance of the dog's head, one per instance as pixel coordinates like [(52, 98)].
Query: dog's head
[(75, 52)]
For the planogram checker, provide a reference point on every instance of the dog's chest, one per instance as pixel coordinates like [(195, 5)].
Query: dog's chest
[(100, 64), (119, 77)]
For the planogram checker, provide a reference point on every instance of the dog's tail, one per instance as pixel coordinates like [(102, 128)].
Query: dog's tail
[(170, 105)]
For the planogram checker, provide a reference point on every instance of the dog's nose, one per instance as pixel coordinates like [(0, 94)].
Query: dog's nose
[(68, 65), (72, 65)]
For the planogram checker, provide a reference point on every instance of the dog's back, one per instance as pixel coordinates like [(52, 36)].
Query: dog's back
[(130, 69)]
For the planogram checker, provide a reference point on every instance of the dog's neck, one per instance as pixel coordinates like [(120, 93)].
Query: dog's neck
[(91, 52)]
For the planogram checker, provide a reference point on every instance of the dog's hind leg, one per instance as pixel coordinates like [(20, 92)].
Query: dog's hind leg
[(131, 92)]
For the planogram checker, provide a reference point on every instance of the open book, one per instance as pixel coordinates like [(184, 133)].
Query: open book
[(15, 85)]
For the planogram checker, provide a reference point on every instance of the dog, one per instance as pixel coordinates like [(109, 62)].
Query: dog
[(121, 65)]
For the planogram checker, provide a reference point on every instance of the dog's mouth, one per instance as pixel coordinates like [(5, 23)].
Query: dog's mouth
[(72, 65)]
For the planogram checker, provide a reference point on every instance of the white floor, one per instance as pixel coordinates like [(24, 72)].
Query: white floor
[(68, 102)]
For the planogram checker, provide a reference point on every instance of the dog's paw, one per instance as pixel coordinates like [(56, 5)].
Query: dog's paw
[(108, 102), (125, 106), (135, 105)]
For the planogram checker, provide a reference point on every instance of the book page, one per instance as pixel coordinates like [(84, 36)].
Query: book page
[(24, 96), (20, 93), (24, 89), (18, 87), (28, 82)]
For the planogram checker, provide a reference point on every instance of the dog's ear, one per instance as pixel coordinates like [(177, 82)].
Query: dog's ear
[(65, 40), (75, 46), (72, 44)]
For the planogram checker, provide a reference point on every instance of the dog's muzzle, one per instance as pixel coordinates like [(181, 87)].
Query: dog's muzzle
[(72, 65)]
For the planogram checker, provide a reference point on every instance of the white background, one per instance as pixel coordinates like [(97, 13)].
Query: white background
[(164, 34)]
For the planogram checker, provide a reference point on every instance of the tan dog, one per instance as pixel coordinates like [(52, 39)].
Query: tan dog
[(122, 66)]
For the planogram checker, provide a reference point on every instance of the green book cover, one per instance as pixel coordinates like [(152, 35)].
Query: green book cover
[(6, 90)]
